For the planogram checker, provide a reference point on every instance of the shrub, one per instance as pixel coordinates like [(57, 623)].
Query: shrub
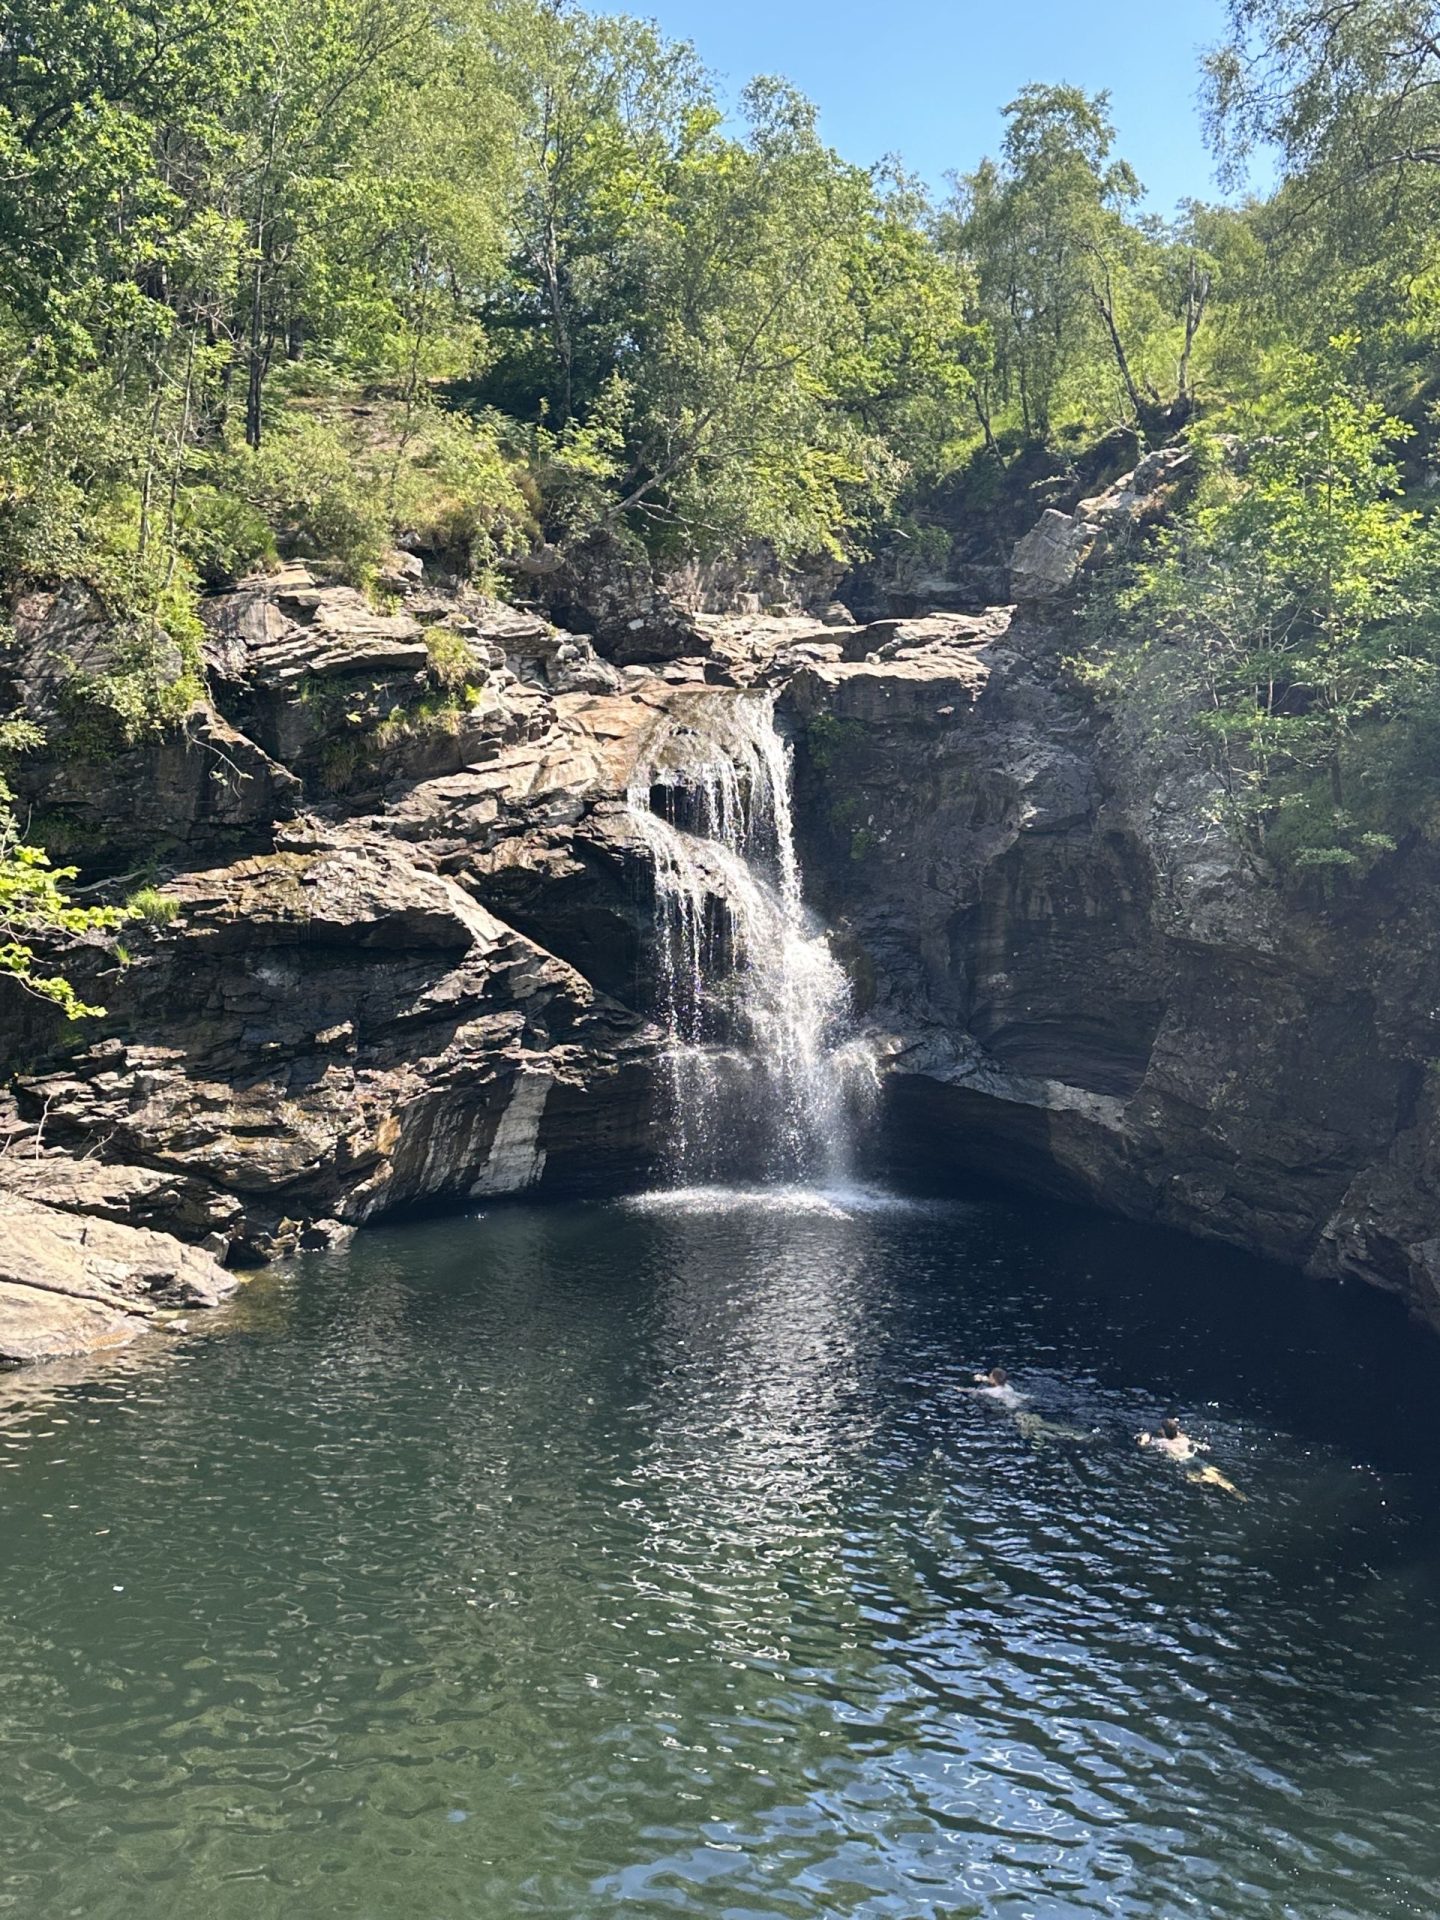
[(223, 537), (307, 484), (152, 907), (452, 663)]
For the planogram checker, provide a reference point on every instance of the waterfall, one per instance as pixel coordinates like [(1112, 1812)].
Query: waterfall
[(763, 1077)]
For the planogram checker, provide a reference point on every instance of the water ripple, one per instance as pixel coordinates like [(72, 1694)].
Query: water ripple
[(649, 1556)]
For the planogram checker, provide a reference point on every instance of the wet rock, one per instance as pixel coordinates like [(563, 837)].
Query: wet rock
[(1085, 984)]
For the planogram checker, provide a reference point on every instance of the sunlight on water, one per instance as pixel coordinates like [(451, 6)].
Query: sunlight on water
[(649, 1559), (839, 1202)]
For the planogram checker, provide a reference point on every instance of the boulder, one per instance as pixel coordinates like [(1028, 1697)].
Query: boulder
[(1047, 561), (400, 572), (607, 589)]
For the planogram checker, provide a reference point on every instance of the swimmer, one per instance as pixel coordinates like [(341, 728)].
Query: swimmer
[(1172, 1440), (995, 1385)]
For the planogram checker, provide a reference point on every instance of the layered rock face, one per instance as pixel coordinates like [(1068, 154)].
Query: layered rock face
[(409, 959), (1084, 986), (404, 956)]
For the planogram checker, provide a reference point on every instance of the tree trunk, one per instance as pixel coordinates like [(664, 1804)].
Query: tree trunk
[(1197, 294), (1105, 307)]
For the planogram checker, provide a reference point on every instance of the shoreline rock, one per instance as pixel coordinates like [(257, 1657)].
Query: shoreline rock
[(72, 1283)]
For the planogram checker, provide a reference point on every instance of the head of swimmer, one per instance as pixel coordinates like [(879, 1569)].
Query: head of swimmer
[(998, 1377), (1170, 1427)]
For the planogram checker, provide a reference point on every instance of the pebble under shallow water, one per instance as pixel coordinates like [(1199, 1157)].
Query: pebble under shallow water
[(645, 1557)]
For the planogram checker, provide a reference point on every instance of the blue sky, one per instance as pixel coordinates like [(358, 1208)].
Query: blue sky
[(926, 79)]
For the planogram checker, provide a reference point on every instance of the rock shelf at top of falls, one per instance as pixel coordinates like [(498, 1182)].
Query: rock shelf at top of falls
[(411, 965)]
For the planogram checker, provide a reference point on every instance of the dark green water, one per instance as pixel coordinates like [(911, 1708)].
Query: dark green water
[(579, 1560)]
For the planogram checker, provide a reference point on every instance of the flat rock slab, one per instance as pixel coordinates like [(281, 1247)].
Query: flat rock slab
[(275, 633), (70, 1284)]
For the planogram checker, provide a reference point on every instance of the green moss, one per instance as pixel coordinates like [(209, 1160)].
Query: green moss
[(826, 737)]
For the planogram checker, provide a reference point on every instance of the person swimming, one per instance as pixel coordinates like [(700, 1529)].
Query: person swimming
[(995, 1385), (1174, 1441)]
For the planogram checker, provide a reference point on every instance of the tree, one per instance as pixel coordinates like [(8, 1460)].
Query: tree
[(1299, 597), (798, 346), (606, 108), (1344, 89), (1058, 265), (1347, 94)]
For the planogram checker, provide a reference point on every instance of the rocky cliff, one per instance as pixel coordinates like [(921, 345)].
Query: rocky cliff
[(403, 956), (1083, 982)]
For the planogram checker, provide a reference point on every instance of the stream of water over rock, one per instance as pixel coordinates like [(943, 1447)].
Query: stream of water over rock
[(765, 1075)]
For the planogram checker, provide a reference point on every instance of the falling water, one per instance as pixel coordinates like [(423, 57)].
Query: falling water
[(757, 1010)]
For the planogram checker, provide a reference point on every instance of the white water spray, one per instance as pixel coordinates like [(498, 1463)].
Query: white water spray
[(756, 1007)]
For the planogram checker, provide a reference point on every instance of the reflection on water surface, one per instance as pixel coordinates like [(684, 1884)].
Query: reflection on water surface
[(646, 1557)]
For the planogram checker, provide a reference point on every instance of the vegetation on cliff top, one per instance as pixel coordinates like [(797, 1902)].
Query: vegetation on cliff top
[(1295, 607), (305, 276)]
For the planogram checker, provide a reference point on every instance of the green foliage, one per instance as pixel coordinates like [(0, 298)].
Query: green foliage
[(152, 907), (283, 279), (1045, 230), (304, 277), (1298, 601), (731, 339), (827, 737), (306, 483), (223, 536), (36, 908), (452, 664), (457, 491)]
